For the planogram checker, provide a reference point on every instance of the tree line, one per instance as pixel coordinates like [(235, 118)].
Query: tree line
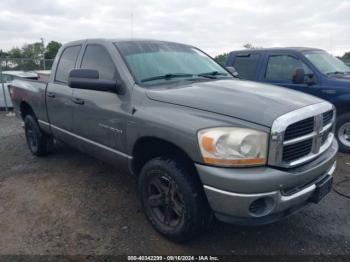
[(30, 56)]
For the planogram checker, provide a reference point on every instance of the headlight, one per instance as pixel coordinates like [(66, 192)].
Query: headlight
[(233, 146)]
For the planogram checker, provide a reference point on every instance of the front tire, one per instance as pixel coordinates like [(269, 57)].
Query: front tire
[(343, 133), (38, 142), (173, 199)]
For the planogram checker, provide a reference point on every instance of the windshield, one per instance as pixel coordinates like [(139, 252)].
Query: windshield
[(327, 63), (154, 62)]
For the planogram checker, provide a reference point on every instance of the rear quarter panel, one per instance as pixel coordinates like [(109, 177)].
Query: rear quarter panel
[(31, 92)]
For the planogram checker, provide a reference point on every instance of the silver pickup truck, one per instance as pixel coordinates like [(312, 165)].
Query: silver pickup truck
[(202, 142)]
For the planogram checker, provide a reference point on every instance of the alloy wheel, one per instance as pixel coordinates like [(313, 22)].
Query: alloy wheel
[(165, 200)]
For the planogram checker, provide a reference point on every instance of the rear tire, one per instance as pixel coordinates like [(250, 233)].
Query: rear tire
[(173, 199), (39, 143), (342, 133)]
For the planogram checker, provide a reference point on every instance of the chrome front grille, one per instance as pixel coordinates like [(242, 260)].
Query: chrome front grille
[(327, 117), (325, 136), (300, 128), (301, 135), (297, 150)]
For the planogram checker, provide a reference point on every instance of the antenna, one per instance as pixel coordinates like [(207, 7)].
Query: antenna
[(132, 25)]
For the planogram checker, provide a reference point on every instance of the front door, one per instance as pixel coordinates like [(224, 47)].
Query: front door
[(100, 117), (280, 69)]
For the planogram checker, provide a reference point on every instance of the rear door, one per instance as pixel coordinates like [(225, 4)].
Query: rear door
[(246, 65), (59, 94), (278, 69), (100, 117)]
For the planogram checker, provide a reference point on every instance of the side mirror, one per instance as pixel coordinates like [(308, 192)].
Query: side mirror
[(89, 79), (232, 70), (311, 80), (298, 76)]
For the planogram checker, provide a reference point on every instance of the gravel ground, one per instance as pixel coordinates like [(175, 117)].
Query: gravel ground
[(69, 203)]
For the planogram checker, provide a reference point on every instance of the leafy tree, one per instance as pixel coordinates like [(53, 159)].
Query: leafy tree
[(30, 56), (9, 63), (250, 46), (15, 52), (2, 53), (346, 55), (34, 51), (52, 49), (221, 59)]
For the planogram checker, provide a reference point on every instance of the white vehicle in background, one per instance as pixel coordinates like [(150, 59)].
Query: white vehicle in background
[(43, 75), (6, 77)]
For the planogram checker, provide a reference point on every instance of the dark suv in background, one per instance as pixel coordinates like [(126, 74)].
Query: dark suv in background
[(308, 70)]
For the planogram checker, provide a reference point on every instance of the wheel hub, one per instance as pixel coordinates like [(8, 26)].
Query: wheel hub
[(344, 134), (165, 200)]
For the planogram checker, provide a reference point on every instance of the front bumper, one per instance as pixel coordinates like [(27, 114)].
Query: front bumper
[(265, 194)]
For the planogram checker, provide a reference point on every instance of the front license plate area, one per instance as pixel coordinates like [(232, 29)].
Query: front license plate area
[(322, 189)]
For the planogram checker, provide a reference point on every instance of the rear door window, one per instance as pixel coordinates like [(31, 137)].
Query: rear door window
[(67, 63), (246, 65)]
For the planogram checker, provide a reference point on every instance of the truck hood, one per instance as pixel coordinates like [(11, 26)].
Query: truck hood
[(339, 82), (246, 100), (345, 77)]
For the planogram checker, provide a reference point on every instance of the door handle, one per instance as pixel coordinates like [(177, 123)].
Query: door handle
[(78, 101), (52, 95)]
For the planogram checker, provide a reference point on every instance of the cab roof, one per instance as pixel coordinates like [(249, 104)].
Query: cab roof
[(118, 40), (279, 49)]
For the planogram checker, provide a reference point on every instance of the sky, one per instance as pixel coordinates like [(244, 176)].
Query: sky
[(215, 26)]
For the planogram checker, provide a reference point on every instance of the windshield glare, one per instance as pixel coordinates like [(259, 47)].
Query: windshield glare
[(327, 63), (152, 59)]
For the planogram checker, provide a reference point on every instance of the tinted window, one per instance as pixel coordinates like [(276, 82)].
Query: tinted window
[(282, 67), (96, 57), (246, 65), (67, 63)]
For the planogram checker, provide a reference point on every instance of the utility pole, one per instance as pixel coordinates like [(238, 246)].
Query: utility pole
[(43, 54)]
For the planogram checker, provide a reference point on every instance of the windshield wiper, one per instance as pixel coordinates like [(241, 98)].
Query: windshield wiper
[(336, 73), (166, 77), (212, 74)]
